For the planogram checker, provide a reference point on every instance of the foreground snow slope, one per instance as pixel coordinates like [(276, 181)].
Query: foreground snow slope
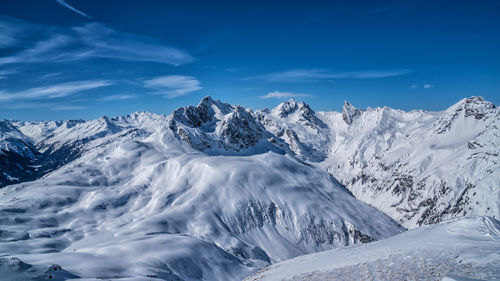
[(157, 208), (459, 249)]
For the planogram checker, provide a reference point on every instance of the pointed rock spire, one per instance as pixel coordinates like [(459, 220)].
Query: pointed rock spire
[(350, 113)]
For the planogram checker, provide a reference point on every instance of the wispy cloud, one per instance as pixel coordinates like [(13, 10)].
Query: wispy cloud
[(68, 6), (311, 75), (425, 86), (9, 31), (6, 73), (68, 108), (118, 97), (54, 91), (92, 40), (280, 95), (173, 85)]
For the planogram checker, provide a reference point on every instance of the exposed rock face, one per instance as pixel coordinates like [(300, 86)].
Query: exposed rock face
[(286, 108), (473, 107), (195, 116), (350, 113), (240, 130), (217, 126)]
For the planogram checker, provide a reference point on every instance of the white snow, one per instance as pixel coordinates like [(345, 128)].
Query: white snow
[(216, 191), (419, 167), (462, 249), (135, 208)]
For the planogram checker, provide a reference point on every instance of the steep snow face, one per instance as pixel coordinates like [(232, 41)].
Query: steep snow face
[(12, 140), (157, 208), (17, 155), (419, 167), (299, 127), (461, 249)]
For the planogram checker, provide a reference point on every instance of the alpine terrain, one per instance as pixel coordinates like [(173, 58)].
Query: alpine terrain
[(218, 191)]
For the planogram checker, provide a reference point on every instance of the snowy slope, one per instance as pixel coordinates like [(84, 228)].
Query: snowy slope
[(157, 208), (17, 155), (462, 249), (216, 191), (419, 167), (34, 149)]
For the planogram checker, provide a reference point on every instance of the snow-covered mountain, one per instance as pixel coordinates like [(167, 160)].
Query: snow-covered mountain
[(17, 156), (419, 167), (143, 202), (217, 191), (462, 249)]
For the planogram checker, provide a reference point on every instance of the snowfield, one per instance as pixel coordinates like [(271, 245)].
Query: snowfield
[(461, 249), (157, 208), (217, 192)]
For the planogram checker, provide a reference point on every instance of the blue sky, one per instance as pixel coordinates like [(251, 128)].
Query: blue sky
[(84, 59)]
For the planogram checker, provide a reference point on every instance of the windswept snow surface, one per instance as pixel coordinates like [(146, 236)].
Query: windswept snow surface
[(461, 249), (157, 209), (217, 191)]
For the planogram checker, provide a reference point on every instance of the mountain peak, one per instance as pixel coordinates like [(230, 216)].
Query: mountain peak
[(286, 108), (349, 112), (475, 107), (206, 100)]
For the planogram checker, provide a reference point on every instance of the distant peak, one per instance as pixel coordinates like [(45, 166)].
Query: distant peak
[(206, 100), (348, 105), (349, 112), (475, 98), (6, 126), (287, 107), (474, 106), (472, 100)]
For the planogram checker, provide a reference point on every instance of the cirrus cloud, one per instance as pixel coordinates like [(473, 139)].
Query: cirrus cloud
[(118, 97), (280, 95), (54, 91), (68, 6), (68, 108), (172, 86), (312, 75), (50, 44)]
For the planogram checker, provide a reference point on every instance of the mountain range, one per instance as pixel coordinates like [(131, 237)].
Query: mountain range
[(217, 191)]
